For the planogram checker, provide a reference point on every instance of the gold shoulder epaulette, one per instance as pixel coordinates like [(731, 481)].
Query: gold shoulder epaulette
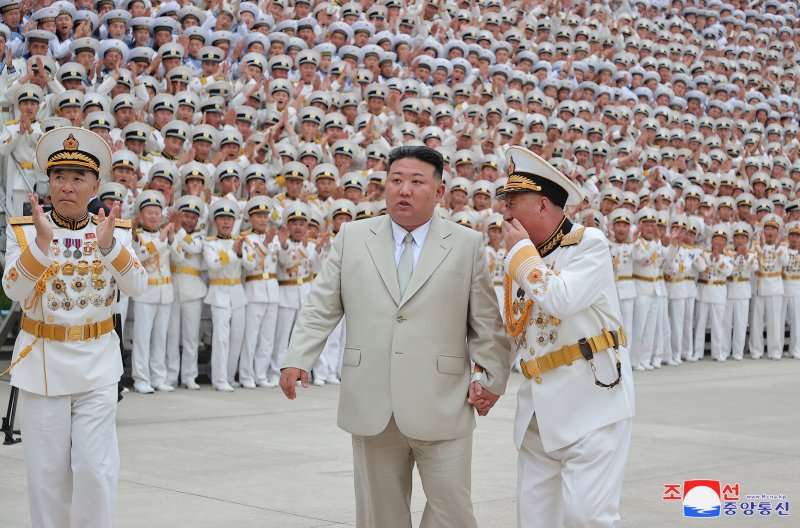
[(245, 232), (123, 223), (12, 122), (139, 229), (573, 237), (211, 237), (20, 220)]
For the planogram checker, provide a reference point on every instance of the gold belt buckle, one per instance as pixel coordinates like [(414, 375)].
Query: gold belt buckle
[(299, 282), (75, 333), (531, 370)]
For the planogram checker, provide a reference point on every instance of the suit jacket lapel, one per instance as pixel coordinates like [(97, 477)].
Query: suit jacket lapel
[(381, 249), (434, 251)]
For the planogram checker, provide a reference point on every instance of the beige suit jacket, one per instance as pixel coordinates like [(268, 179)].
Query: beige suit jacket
[(406, 356)]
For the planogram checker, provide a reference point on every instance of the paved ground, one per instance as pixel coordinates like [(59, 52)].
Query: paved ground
[(254, 459)]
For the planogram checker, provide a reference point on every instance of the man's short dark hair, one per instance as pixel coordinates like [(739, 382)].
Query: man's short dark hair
[(421, 153)]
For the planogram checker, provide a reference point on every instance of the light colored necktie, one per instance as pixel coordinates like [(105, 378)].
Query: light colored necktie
[(406, 265)]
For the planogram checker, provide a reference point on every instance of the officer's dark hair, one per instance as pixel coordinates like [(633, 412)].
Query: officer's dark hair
[(426, 154)]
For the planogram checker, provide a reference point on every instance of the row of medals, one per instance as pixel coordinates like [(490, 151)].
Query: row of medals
[(72, 249)]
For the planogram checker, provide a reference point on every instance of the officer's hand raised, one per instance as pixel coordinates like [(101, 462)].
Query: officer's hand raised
[(513, 232), (44, 231), (105, 227)]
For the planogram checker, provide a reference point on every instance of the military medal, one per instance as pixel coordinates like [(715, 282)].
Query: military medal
[(59, 286), (67, 304), (52, 302), (82, 268), (77, 253), (68, 245), (55, 247), (78, 284), (99, 283), (82, 302), (68, 268)]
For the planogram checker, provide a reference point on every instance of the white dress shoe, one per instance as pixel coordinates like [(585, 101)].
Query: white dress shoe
[(164, 388), (192, 385), (143, 388), (319, 382), (267, 384), (249, 384), (333, 380), (235, 384), (223, 387)]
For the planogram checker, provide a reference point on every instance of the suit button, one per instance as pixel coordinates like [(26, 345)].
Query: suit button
[(400, 319)]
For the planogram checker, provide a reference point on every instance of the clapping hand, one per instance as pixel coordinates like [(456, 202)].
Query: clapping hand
[(105, 226), (44, 231)]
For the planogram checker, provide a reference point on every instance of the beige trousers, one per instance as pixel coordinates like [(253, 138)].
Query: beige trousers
[(383, 465)]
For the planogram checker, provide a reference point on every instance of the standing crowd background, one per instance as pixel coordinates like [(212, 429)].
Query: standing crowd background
[(244, 134)]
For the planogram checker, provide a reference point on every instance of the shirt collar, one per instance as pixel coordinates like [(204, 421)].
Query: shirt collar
[(419, 234)]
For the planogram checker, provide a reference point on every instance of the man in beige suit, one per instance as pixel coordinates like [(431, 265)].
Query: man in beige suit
[(420, 308)]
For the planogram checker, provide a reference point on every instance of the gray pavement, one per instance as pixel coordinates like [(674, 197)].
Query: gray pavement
[(254, 459)]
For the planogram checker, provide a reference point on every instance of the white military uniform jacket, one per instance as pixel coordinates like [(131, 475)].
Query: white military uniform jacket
[(495, 257), (771, 260), (58, 288), (648, 261), (622, 260), (154, 254), (791, 275), (296, 265), (225, 288), (739, 281), (574, 297), (19, 151), (712, 286), (187, 265), (261, 283), (681, 268)]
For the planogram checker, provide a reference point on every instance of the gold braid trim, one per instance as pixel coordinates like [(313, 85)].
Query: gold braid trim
[(514, 328)]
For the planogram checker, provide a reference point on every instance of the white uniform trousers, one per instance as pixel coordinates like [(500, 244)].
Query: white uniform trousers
[(577, 486), (173, 343), (793, 318), (259, 341), (328, 363), (661, 349), (184, 335), (714, 315), (383, 465), (735, 326), (71, 458), (645, 321), (283, 331), (766, 313), (687, 342), (226, 343), (676, 309), (148, 360), (626, 307)]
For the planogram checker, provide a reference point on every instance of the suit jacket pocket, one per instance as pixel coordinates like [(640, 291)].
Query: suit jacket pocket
[(451, 364), (352, 357)]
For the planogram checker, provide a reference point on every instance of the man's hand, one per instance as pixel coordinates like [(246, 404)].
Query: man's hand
[(482, 399), (289, 377), (44, 231), (105, 226), (513, 232)]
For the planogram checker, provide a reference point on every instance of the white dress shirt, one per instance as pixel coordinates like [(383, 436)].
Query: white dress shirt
[(419, 235)]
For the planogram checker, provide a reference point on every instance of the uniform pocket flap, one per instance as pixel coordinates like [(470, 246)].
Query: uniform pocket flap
[(451, 364), (352, 357)]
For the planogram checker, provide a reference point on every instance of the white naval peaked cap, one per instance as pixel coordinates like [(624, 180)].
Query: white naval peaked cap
[(258, 204), (224, 207), (74, 148), (528, 172), (621, 215), (149, 197)]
